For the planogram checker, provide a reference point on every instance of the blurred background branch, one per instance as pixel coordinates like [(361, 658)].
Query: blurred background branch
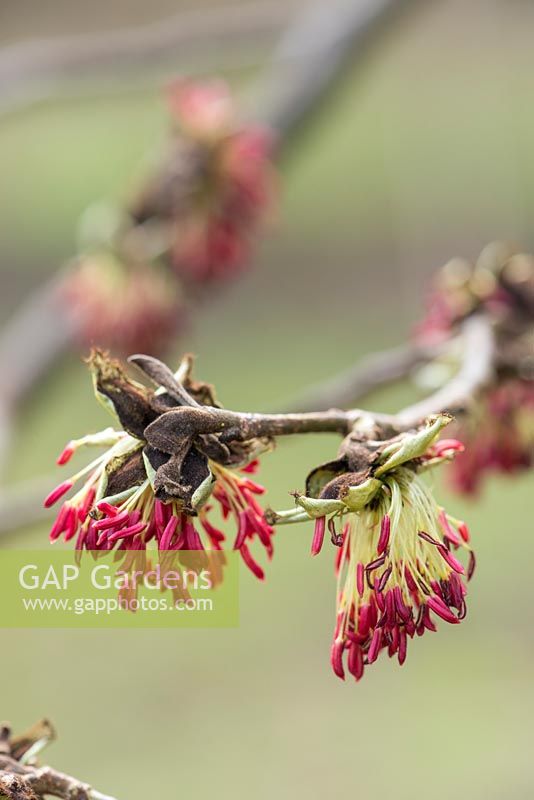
[(367, 375), (32, 70)]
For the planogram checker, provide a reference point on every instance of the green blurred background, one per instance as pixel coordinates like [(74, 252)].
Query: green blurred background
[(423, 151)]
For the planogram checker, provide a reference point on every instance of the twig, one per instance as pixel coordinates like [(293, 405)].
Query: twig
[(187, 422), (22, 504), (29, 782), (476, 370), (366, 376)]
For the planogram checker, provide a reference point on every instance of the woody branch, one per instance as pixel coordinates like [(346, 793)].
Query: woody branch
[(475, 371)]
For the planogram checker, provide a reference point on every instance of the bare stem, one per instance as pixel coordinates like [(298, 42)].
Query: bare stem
[(169, 430), (356, 382), (23, 505), (25, 781), (476, 370)]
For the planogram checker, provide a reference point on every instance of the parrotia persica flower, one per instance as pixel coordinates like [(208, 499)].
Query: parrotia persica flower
[(498, 434), (135, 497), (499, 430), (397, 572), (130, 306), (218, 190), (501, 281)]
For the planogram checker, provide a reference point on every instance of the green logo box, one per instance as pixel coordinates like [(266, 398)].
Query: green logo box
[(119, 589)]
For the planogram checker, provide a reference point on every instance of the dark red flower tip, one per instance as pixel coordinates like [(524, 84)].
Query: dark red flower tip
[(57, 493)]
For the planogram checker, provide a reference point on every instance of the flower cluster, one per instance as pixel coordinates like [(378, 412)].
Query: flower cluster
[(220, 184), (499, 431), (134, 498), (491, 283), (194, 221), (127, 306), (396, 567), (499, 435)]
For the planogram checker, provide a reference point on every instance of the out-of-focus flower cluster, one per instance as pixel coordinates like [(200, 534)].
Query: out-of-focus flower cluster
[(499, 435), (500, 281), (142, 501), (138, 306), (498, 432), (194, 222), (397, 571), (218, 188)]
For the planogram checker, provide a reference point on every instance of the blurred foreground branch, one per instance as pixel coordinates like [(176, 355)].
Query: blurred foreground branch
[(21, 778)]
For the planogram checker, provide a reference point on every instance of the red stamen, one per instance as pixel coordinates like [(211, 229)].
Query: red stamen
[(463, 530), (162, 513), (429, 539), (363, 620), (355, 661), (253, 487), (58, 492), (427, 621), (87, 504), (374, 647), (59, 525), (336, 659), (448, 446), (318, 535), (107, 508), (471, 566), (359, 578), (438, 606), (168, 533), (401, 655), (65, 455), (252, 467), (112, 522), (391, 613), (402, 609), (242, 530), (253, 566), (385, 529), (448, 530), (378, 562), (378, 596), (451, 560), (127, 532), (384, 579)]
